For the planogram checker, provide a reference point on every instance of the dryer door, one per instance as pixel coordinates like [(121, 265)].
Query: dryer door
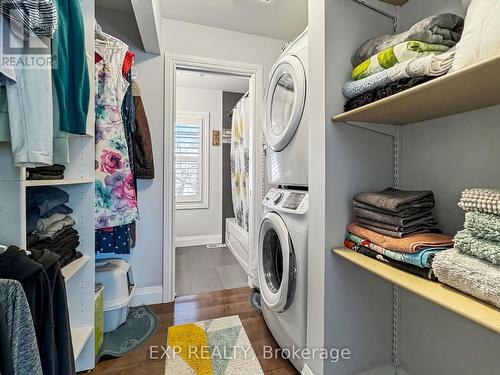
[(286, 97), (277, 264)]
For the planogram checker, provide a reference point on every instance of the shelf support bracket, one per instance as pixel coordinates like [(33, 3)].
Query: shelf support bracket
[(386, 10)]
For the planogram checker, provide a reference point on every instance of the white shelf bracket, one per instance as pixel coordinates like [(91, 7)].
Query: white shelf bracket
[(387, 10)]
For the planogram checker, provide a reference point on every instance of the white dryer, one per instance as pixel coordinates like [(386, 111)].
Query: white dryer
[(282, 265), (286, 120)]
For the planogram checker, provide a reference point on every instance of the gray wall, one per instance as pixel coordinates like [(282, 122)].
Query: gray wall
[(229, 100)]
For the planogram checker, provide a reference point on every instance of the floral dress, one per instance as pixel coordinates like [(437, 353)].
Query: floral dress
[(116, 201)]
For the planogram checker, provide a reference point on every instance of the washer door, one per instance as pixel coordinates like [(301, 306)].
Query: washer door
[(286, 97), (277, 264)]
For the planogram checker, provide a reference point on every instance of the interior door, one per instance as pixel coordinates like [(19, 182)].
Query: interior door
[(285, 102)]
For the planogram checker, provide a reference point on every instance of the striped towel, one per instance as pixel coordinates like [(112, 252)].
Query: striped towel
[(31, 17), (482, 200)]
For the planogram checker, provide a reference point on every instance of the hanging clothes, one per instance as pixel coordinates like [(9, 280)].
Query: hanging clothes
[(71, 78), (240, 162), (31, 131), (144, 167), (31, 17), (18, 345), (116, 200)]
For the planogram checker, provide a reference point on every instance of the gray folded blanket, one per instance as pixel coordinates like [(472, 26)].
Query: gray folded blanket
[(394, 200), (445, 29), (392, 220), (484, 226), (482, 249), (397, 232), (468, 274)]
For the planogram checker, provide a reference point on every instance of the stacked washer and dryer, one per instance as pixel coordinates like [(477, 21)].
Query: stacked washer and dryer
[(282, 255)]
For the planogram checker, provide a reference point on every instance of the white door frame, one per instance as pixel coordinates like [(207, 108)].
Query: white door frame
[(255, 73)]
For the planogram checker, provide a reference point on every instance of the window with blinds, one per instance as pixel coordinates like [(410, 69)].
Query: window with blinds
[(191, 159)]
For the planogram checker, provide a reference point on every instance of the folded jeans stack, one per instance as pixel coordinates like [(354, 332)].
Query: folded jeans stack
[(389, 64), (53, 172), (397, 227), (49, 225), (474, 265)]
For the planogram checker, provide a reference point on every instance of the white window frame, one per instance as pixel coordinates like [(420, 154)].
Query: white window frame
[(201, 202)]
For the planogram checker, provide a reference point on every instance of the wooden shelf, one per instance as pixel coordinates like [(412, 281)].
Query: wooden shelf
[(462, 304), (468, 89), (71, 269), (69, 181), (80, 336)]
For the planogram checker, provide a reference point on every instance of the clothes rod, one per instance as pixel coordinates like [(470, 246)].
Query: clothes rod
[(244, 96)]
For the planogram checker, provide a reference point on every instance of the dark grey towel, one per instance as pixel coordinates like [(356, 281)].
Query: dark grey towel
[(399, 234), (390, 219), (394, 200)]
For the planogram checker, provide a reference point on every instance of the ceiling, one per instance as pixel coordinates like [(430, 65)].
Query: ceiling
[(278, 19), (211, 81)]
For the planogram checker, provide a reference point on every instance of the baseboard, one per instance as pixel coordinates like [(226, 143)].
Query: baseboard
[(306, 371), (147, 296), (198, 240)]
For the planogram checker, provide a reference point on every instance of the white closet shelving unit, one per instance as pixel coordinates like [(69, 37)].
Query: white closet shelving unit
[(442, 135), (79, 184)]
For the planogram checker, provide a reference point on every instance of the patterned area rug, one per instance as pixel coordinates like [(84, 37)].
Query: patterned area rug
[(140, 325), (211, 347)]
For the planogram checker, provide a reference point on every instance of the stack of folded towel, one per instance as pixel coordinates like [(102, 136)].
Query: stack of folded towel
[(474, 265), (51, 172), (397, 227), (390, 64), (396, 213), (49, 225)]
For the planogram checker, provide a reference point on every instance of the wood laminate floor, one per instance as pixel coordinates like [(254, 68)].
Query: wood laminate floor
[(192, 309)]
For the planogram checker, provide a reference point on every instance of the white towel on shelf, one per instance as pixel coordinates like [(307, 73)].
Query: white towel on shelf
[(468, 274), (482, 200)]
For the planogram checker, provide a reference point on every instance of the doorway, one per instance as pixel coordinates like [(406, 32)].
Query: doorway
[(196, 184)]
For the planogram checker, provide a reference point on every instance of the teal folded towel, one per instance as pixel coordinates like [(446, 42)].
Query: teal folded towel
[(483, 226), (480, 248)]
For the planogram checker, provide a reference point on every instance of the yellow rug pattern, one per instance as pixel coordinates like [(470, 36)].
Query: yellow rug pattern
[(211, 347)]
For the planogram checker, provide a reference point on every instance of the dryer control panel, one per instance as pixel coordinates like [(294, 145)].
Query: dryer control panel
[(292, 201)]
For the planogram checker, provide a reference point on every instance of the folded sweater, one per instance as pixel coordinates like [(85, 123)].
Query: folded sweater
[(469, 275)]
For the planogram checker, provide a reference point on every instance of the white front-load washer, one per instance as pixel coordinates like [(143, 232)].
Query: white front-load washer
[(286, 120), (282, 266)]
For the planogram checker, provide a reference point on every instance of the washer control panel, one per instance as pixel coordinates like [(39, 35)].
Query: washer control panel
[(292, 201)]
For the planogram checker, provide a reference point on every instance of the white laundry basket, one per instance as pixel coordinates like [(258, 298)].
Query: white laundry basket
[(117, 278)]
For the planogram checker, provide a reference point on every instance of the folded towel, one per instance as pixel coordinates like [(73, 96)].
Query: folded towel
[(482, 249), (445, 29), (422, 259), (405, 213), (469, 275), (431, 65), (422, 272), (484, 226), (410, 244), (393, 55), (395, 200), (398, 232), (393, 220), (482, 200)]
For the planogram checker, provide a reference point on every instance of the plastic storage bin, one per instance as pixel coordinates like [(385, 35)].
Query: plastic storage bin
[(116, 277)]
